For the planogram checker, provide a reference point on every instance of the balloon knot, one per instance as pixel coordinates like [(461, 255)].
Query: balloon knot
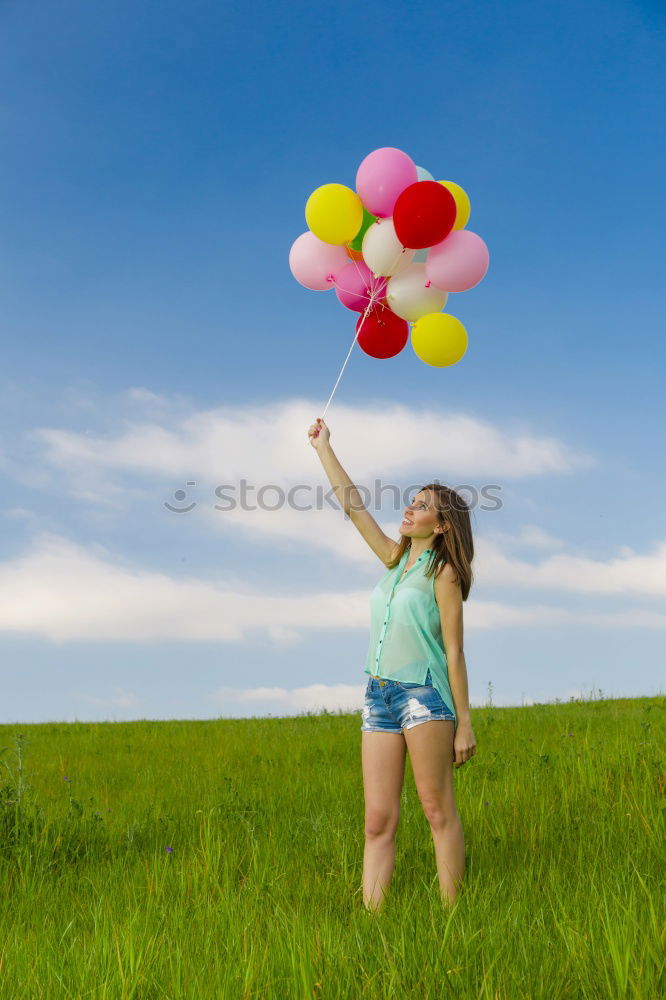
[(330, 277), (427, 284)]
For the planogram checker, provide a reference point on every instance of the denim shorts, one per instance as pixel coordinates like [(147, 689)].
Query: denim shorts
[(393, 706)]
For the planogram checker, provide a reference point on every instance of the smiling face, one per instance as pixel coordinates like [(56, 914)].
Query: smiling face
[(420, 520)]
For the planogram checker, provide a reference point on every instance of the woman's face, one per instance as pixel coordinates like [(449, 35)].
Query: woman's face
[(420, 517)]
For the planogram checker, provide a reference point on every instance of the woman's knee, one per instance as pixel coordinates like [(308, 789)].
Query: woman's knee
[(380, 826)]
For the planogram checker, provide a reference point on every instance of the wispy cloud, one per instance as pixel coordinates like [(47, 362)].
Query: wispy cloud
[(628, 573), (146, 447), (283, 701), (530, 536), (494, 614), (159, 436), (122, 699), (66, 592)]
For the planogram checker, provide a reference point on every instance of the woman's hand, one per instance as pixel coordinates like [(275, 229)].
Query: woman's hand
[(464, 743), (319, 434)]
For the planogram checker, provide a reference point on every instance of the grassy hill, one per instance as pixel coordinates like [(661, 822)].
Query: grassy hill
[(223, 859)]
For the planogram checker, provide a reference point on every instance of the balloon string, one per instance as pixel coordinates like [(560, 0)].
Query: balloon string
[(360, 327)]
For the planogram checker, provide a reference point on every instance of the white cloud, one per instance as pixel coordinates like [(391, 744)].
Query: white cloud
[(65, 592), (19, 513), (269, 443), (153, 445), (282, 701), (145, 397), (122, 699), (530, 535), (493, 614), (628, 573)]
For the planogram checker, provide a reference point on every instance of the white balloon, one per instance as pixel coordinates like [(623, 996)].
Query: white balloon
[(382, 250), (423, 174), (410, 295)]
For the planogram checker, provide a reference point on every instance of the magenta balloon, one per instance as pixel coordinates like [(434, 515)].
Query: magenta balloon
[(316, 264), (459, 262), (383, 175), (356, 284)]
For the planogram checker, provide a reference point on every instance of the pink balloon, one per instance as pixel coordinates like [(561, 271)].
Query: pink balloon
[(382, 176), (457, 263), (355, 285), (316, 264)]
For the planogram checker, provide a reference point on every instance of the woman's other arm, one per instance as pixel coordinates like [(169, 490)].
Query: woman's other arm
[(449, 601)]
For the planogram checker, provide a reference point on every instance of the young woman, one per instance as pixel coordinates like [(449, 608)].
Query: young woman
[(416, 699)]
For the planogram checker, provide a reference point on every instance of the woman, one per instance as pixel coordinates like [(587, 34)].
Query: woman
[(416, 699)]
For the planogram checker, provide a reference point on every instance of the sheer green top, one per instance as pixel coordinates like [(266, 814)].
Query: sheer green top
[(406, 629)]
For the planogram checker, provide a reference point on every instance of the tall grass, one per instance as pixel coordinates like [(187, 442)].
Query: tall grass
[(223, 859)]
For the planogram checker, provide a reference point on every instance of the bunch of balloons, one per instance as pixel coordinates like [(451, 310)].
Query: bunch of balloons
[(393, 249)]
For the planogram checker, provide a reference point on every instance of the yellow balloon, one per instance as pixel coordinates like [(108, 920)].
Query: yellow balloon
[(439, 339), (334, 213), (463, 206)]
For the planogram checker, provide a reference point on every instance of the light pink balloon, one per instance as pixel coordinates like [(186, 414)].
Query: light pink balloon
[(356, 284), (316, 264), (457, 263), (383, 175)]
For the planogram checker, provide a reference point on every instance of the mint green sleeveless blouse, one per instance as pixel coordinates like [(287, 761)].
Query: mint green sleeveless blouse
[(406, 629)]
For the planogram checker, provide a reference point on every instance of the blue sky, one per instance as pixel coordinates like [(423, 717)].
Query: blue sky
[(156, 162)]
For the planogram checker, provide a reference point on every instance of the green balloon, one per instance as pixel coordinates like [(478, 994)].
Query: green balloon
[(357, 242)]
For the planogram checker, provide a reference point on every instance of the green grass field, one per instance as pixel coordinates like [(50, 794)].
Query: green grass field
[(223, 859)]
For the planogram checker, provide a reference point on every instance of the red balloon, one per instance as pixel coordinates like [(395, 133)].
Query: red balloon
[(424, 215), (383, 334)]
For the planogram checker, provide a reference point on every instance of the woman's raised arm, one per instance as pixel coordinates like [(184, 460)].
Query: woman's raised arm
[(347, 494)]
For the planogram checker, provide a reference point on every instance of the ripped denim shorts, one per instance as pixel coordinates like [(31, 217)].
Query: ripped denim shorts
[(393, 706)]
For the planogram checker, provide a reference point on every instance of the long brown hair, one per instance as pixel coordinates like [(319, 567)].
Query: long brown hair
[(455, 546)]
